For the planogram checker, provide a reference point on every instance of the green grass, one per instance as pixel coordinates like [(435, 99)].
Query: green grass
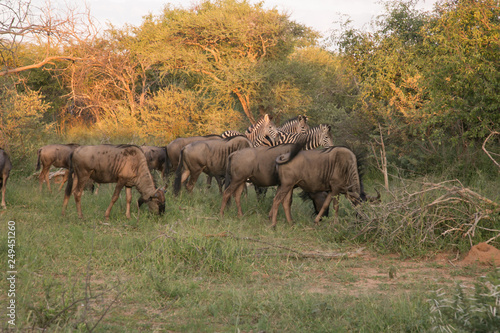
[(192, 271)]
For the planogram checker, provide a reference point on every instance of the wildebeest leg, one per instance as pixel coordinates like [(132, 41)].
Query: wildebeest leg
[(226, 196), (220, 182), (281, 193), (237, 198), (115, 197), (4, 184), (44, 176), (128, 195), (185, 175), (328, 199), (67, 194), (65, 179), (78, 199), (192, 180), (336, 207), (287, 206)]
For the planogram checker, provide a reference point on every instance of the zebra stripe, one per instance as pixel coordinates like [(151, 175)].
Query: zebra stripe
[(263, 132), (229, 134), (314, 137), (295, 125)]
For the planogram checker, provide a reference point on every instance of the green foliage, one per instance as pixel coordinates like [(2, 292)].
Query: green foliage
[(228, 44), (429, 80), (469, 309), (464, 67), (21, 120)]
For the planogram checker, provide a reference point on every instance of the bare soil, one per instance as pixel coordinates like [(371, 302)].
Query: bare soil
[(369, 273)]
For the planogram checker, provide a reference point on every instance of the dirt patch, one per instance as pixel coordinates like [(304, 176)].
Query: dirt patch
[(482, 254)]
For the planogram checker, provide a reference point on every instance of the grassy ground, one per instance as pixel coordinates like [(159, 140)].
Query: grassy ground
[(191, 271)]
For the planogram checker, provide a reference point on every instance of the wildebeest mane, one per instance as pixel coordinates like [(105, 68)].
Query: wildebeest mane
[(124, 145)]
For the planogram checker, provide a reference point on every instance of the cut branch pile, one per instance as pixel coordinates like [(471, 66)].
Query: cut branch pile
[(446, 209)]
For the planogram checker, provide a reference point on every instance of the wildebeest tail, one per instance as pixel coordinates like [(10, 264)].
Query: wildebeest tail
[(38, 159), (227, 178), (167, 164), (69, 185), (178, 174), (296, 148)]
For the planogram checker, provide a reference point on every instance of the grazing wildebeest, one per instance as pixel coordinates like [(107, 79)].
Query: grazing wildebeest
[(157, 159), (124, 165), (334, 170), (5, 167), (56, 155), (209, 157)]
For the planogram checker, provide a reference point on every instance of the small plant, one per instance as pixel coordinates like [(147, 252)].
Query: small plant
[(475, 309)]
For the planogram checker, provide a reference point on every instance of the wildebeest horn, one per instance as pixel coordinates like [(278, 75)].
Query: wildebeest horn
[(373, 199)]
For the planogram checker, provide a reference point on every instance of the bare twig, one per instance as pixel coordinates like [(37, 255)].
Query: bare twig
[(487, 152)]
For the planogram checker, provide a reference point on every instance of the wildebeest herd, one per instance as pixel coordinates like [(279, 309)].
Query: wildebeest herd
[(265, 155)]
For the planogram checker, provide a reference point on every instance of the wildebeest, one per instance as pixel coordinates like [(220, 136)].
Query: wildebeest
[(56, 155), (174, 148), (334, 170), (124, 165), (209, 157), (157, 159), (5, 167), (257, 165)]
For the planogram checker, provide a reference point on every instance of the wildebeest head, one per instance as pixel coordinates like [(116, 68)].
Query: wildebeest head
[(156, 202)]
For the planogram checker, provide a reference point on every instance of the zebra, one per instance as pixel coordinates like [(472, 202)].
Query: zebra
[(315, 137), (295, 125), (230, 133), (263, 132)]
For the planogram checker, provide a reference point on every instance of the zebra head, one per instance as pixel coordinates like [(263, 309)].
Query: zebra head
[(295, 125), (326, 138), (261, 131)]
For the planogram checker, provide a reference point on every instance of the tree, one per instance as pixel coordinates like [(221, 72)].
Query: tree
[(463, 71), (225, 44), (21, 23)]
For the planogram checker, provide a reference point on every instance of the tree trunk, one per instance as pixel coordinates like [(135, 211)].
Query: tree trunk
[(245, 103)]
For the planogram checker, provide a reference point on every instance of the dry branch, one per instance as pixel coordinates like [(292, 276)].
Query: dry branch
[(487, 152), (446, 209)]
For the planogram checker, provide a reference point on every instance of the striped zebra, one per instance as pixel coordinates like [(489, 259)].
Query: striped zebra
[(230, 133), (263, 132), (315, 137), (295, 125)]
